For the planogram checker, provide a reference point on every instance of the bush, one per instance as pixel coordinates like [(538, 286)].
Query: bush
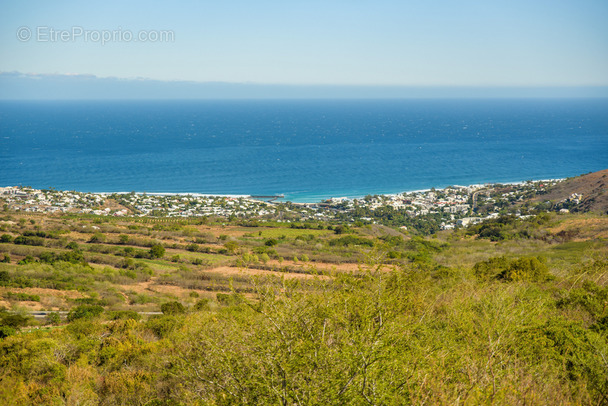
[(35, 241), (491, 268), (6, 331), (228, 299), (271, 242), (526, 268), (192, 247), (201, 304), (73, 245), (6, 238), (157, 251), (27, 260), (162, 326), (97, 238), (84, 312), (14, 320), (231, 246), (172, 308), (53, 318), (124, 315), (590, 297)]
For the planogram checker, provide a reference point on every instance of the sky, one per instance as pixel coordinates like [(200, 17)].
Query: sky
[(480, 43)]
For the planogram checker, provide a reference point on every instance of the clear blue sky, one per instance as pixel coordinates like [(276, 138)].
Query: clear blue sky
[(359, 42)]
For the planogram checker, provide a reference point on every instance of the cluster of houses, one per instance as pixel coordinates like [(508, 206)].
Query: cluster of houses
[(179, 205), (52, 201), (458, 205)]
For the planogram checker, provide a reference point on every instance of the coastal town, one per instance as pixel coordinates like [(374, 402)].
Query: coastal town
[(448, 208)]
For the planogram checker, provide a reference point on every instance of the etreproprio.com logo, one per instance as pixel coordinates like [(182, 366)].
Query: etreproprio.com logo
[(76, 33)]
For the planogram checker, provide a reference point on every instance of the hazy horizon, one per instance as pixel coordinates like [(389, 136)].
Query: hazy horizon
[(20, 86), (315, 49)]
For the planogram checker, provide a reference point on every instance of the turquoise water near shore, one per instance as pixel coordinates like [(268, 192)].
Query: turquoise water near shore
[(306, 150)]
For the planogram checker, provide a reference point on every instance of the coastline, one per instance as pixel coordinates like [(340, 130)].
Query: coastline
[(311, 201)]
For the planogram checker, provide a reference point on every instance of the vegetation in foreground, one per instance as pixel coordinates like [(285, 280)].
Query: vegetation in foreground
[(508, 312)]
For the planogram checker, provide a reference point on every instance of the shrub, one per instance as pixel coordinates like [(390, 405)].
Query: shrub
[(35, 241), (527, 268), (201, 304), (231, 246), (228, 299), (271, 242), (162, 326), (172, 308), (491, 268), (192, 247), (157, 251), (84, 312), (6, 331), (6, 238), (53, 318), (73, 245), (590, 297), (14, 320), (97, 238), (27, 260)]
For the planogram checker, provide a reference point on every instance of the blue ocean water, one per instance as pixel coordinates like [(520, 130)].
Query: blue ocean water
[(305, 149)]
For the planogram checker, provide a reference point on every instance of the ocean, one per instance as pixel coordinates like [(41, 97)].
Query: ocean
[(307, 150)]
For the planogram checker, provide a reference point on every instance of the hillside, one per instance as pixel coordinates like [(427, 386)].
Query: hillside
[(593, 187), (201, 311)]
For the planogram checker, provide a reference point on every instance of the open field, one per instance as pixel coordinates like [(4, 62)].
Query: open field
[(215, 258)]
